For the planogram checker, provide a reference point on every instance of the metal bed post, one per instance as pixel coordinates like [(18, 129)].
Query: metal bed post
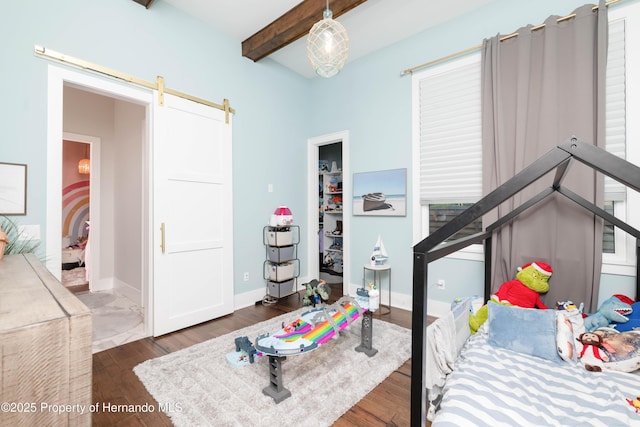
[(418, 341), (488, 260), (638, 269)]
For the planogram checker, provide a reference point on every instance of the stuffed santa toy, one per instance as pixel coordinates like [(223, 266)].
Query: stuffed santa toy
[(524, 291)]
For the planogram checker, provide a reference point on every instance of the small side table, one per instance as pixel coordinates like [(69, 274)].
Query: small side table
[(377, 280)]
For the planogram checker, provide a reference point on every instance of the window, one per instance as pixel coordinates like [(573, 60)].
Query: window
[(447, 140), (623, 103), (614, 192), (449, 143)]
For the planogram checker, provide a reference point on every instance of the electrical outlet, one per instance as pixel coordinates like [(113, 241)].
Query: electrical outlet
[(440, 283), (246, 276)]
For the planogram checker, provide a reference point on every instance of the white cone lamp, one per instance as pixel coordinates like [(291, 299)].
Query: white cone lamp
[(327, 46)]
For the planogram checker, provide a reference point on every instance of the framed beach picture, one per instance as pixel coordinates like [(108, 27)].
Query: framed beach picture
[(380, 193), (13, 189)]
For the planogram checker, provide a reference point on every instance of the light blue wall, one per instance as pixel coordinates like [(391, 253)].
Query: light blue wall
[(270, 128), (277, 110), (372, 101)]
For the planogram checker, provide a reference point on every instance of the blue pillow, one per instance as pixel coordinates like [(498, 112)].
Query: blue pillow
[(525, 330)]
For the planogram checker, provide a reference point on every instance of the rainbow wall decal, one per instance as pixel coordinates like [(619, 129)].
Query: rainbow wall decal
[(75, 210)]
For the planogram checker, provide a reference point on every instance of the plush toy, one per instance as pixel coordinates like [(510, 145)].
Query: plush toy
[(567, 306), (611, 310), (635, 403), (569, 324), (633, 322), (593, 360), (609, 349), (317, 292), (524, 291)]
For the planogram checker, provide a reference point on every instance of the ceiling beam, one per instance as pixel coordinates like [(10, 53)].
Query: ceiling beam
[(291, 26), (145, 3)]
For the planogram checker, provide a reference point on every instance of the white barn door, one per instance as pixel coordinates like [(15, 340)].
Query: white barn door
[(193, 228)]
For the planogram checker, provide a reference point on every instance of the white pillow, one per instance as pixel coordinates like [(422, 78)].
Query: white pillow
[(569, 325)]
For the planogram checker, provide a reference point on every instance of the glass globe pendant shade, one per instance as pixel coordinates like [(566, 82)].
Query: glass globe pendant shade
[(327, 46), (84, 166)]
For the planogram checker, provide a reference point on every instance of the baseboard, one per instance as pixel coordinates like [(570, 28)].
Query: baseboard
[(99, 285), (128, 291), (401, 301), (247, 299), (434, 308), (250, 298)]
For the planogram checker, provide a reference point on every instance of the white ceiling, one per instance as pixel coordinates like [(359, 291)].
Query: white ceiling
[(371, 26)]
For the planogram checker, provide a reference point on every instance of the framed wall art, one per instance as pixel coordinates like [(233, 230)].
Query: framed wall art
[(13, 189), (380, 193)]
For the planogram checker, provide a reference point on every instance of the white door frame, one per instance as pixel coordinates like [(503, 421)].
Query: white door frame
[(57, 78), (313, 151)]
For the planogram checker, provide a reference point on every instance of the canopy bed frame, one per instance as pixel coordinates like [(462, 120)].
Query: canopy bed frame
[(432, 248)]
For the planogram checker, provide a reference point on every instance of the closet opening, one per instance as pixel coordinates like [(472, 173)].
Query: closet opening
[(329, 207), (330, 216)]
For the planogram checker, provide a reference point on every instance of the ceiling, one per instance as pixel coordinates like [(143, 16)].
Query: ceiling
[(372, 25)]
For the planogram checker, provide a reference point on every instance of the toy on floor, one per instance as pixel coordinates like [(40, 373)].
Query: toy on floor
[(611, 310), (313, 329), (317, 292), (244, 354), (524, 291)]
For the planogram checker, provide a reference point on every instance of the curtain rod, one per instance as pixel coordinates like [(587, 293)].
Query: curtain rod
[(478, 47)]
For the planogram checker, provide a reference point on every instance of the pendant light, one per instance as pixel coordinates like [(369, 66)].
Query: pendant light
[(327, 46), (84, 165)]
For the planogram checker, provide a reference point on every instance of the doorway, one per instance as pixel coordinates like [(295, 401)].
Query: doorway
[(144, 241), (329, 209), (330, 223), (76, 209), (119, 197)]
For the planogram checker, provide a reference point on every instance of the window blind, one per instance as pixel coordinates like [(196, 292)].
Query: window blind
[(616, 105), (451, 133)]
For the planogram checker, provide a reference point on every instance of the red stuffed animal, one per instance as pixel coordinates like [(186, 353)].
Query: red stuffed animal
[(524, 291)]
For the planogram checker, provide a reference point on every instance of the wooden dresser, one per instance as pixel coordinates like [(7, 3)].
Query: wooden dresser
[(45, 348)]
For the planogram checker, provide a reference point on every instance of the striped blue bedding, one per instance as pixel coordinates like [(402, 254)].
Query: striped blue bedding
[(496, 387)]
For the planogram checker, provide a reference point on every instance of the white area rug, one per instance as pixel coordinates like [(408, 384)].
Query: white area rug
[(197, 386)]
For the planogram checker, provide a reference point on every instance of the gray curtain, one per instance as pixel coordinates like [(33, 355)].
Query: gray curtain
[(539, 89)]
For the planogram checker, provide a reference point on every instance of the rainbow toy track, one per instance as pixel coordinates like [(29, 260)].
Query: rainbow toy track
[(311, 330)]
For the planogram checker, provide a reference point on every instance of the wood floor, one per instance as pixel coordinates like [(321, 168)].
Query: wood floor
[(114, 382)]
